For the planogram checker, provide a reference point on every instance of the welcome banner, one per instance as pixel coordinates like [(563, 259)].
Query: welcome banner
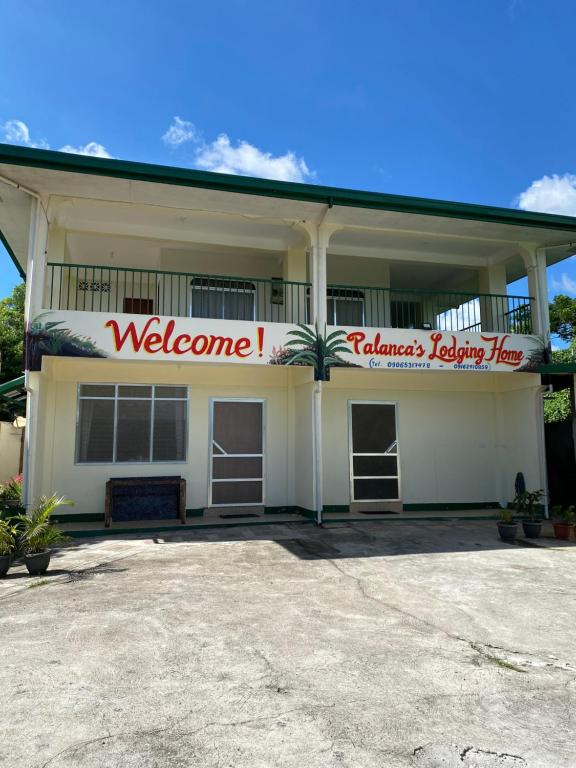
[(178, 339)]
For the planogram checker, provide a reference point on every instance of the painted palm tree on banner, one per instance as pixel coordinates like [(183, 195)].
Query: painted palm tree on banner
[(310, 347)]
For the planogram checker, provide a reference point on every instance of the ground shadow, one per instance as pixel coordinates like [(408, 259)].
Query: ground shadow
[(348, 539)]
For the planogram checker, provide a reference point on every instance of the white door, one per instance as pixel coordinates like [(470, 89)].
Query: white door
[(374, 460), (237, 453)]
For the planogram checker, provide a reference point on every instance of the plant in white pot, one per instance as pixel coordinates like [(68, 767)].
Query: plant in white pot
[(7, 545), (37, 535)]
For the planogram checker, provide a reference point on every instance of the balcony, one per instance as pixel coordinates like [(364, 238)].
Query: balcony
[(91, 288), (427, 309), (85, 288)]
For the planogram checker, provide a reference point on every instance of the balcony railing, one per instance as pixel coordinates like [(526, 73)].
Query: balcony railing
[(187, 294), (179, 294), (427, 309)]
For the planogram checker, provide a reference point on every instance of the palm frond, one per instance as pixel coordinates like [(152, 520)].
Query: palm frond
[(304, 356), (37, 532), (306, 336), (334, 335), (337, 348)]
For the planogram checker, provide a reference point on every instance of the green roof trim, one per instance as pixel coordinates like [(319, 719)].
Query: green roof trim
[(12, 389), (161, 174), (12, 255), (558, 368)]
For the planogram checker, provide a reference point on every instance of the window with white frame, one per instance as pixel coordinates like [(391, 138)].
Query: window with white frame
[(131, 423), (222, 298), (345, 306)]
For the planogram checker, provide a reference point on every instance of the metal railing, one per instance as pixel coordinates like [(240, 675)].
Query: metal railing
[(92, 288), (427, 309)]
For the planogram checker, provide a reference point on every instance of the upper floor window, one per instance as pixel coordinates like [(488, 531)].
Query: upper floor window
[(345, 306), (222, 299), (131, 423)]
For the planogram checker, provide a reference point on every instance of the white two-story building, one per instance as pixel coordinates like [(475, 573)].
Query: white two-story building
[(284, 348)]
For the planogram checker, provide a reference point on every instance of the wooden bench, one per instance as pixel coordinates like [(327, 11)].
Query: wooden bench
[(145, 498)]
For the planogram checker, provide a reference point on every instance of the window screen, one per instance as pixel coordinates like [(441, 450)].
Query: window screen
[(225, 299), (345, 307), (374, 452), (131, 423)]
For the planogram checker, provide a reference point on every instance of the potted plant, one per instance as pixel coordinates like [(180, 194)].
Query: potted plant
[(7, 546), (38, 535), (11, 494), (507, 526), (531, 520), (563, 522)]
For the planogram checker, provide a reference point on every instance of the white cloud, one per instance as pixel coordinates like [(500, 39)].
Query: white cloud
[(550, 194), (564, 284), (466, 316), (17, 132), (244, 159), (179, 132), (247, 160), (92, 149)]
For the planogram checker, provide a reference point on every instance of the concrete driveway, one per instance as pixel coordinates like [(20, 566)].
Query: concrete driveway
[(361, 646)]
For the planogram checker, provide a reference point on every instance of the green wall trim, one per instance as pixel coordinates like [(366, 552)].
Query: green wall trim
[(409, 519), (332, 196), (195, 512), (450, 506), (12, 255), (288, 509), (90, 517), (77, 517), (335, 508)]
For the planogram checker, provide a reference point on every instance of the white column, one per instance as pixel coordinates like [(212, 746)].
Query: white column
[(35, 271), (319, 320), (54, 278), (543, 293), (492, 280), (324, 234), (535, 262)]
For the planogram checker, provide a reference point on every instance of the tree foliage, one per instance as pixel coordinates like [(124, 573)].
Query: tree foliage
[(11, 340), (563, 317), (557, 406)]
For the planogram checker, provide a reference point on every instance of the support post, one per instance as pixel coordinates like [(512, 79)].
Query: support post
[(319, 238), (35, 271), (535, 263)]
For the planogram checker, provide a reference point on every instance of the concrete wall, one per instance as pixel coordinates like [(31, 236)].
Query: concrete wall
[(57, 472), (10, 445), (461, 439), (462, 436), (303, 481)]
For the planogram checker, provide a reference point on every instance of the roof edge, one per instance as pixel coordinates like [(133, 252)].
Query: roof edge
[(12, 255), (332, 196), (558, 368)]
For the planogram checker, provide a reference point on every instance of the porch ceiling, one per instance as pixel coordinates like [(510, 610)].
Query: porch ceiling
[(271, 208)]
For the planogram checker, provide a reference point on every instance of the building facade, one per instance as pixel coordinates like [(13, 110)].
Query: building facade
[(282, 347)]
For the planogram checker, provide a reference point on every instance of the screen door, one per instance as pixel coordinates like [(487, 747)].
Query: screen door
[(237, 453), (374, 470)]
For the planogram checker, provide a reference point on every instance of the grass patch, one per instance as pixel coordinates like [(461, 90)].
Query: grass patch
[(39, 583), (502, 663)]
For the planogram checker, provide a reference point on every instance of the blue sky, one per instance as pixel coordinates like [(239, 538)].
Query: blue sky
[(467, 101)]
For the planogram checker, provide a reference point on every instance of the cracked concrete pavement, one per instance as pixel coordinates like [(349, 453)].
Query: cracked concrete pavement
[(359, 645)]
